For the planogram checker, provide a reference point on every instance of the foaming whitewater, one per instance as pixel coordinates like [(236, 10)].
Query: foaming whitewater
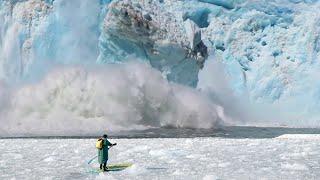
[(83, 101)]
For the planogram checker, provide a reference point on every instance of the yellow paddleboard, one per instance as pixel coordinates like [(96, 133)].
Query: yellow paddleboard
[(117, 167)]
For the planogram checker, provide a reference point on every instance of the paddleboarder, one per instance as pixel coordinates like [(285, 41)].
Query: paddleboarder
[(103, 146)]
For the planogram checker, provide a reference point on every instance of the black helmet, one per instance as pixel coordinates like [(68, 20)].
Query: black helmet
[(105, 136)]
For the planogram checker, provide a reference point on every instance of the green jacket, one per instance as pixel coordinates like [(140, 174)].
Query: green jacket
[(103, 153)]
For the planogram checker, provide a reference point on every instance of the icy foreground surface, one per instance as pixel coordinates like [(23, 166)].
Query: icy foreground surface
[(261, 56), (197, 158)]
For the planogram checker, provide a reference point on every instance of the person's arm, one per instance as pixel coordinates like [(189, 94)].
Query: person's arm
[(108, 143)]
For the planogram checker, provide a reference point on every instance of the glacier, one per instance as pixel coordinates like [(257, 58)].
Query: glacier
[(248, 61)]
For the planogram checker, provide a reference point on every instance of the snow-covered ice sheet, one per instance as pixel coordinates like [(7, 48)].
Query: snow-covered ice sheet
[(163, 158)]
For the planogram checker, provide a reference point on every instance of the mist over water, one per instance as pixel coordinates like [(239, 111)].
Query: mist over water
[(82, 101)]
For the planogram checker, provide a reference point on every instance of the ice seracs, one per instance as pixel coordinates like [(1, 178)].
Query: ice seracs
[(20, 21), (149, 30)]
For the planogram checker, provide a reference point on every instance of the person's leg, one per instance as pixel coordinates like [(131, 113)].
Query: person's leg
[(101, 166), (105, 166)]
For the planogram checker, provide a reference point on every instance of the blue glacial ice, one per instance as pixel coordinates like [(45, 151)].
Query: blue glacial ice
[(268, 49)]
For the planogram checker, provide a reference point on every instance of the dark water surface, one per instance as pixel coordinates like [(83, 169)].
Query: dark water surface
[(235, 132)]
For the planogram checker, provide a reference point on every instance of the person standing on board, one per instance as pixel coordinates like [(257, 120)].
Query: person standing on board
[(103, 146)]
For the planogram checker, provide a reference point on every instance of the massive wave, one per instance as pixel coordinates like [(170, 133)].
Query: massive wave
[(81, 67)]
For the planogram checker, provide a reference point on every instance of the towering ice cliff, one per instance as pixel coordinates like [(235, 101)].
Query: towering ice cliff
[(266, 51), (150, 30)]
